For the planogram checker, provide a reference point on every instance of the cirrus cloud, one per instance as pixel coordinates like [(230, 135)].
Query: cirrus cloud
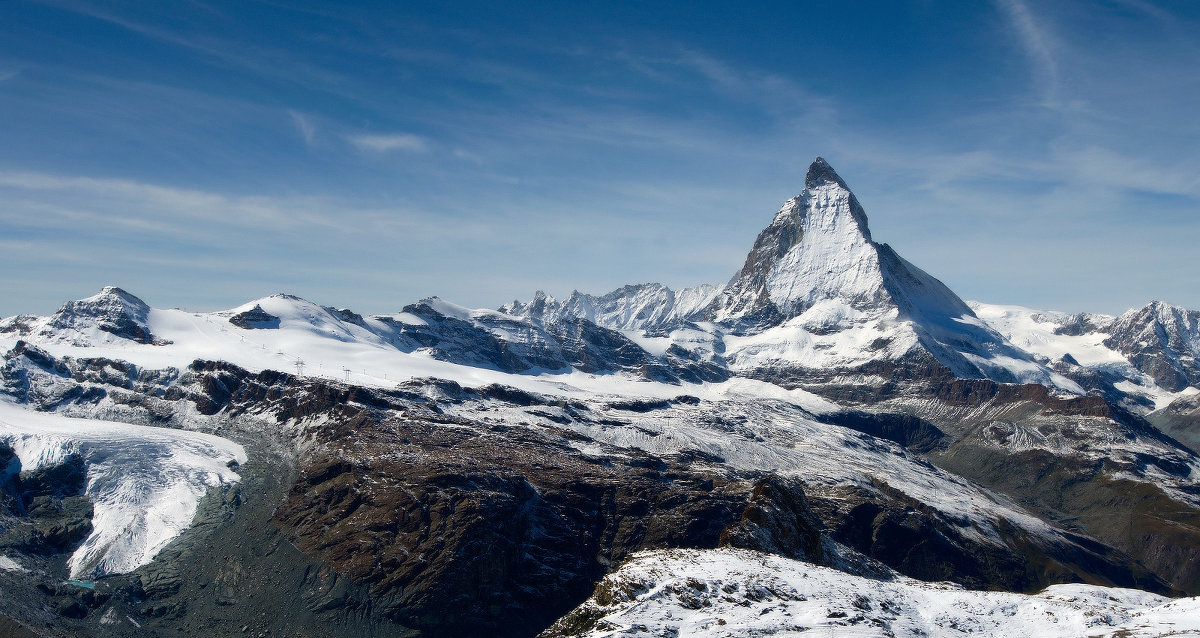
[(386, 143)]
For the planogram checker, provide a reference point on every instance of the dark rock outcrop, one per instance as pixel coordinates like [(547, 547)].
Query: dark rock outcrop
[(255, 319), (46, 509)]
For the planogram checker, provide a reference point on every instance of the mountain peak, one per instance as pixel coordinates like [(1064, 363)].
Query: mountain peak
[(112, 310), (818, 255), (113, 292), (817, 247), (819, 173)]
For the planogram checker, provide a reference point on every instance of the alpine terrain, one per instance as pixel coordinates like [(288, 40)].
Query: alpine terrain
[(832, 440)]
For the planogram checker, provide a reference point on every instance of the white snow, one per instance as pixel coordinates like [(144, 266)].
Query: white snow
[(144, 482), (729, 592), (9, 565), (785, 436), (1033, 331), (631, 308), (328, 348), (835, 258), (831, 334)]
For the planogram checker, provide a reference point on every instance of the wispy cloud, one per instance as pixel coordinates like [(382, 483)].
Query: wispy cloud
[(1097, 167), (308, 130), (8, 75), (1036, 42), (1149, 9), (389, 142), (777, 95), (182, 214), (215, 46), (175, 202)]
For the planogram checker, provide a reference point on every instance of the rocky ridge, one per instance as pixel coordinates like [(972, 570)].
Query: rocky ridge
[(437, 508)]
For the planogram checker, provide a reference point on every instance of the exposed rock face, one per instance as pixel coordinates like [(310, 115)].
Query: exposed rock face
[(910, 431), (112, 310), (1180, 419), (254, 318), (1161, 340), (434, 519), (1133, 516), (778, 520), (1063, 458), (466, 531), (911, 538), (47, 511)]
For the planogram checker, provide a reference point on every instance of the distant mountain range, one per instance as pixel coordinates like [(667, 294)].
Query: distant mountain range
[(297, 469)]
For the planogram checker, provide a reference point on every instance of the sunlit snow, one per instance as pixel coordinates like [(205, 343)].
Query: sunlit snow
[(730, 592)]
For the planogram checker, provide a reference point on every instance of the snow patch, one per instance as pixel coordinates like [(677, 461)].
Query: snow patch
[(9, 565)]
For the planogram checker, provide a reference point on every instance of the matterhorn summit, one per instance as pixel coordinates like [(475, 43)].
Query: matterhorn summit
[(816, 291), (817, 247)]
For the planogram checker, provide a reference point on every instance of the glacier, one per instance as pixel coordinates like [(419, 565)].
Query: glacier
[(144, 482)]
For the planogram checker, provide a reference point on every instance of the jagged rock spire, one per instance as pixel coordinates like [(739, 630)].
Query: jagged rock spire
[(820, 172)]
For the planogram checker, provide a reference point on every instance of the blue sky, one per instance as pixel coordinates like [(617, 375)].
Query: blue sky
[(204, 154)]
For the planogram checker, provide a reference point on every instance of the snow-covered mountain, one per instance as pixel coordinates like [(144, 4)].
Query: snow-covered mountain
[(1144, 359), (1162, 341), (110, 314), (725, 592), (451, 471), (637, 307), (815, 293)]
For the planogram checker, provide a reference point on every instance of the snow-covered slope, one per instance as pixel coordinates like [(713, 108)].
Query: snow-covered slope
[(817, 247), (816, 293), (144, 482), (818, 384), (1148, 353), (432, 338), (815, 271), (783, 436), (730, 592)]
